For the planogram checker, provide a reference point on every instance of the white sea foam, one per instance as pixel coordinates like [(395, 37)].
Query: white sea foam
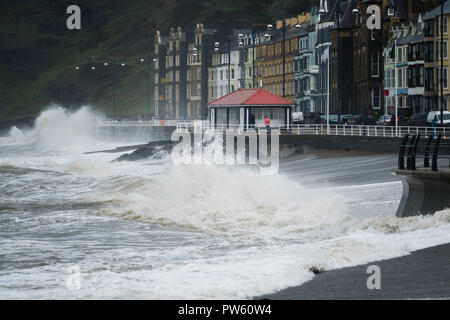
[(236, 202), (227, 233), (58, 129)]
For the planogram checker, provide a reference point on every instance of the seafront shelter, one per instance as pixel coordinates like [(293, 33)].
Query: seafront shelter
[(237, 108)]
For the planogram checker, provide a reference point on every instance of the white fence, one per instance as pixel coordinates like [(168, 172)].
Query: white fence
[(300, 129), (150, 123), (336, 130)]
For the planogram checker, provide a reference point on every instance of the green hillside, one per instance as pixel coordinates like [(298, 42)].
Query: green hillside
[(38, 54)]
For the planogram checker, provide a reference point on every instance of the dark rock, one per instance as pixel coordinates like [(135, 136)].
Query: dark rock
[(155, 150), (316, 270)]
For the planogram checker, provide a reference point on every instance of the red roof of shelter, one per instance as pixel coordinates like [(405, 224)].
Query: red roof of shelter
[(250, 97)]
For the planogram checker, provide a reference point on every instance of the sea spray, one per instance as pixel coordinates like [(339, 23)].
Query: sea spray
[(59, 130), (230, 201)]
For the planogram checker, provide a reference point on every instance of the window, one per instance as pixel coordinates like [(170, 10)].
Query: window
[(444, 26), (199, 89), (420, 51), (199, 74), (221, 74), (249, 72), (445, 49), (375, 64), (232, 73), (445, 77), (421, 74), (429, 53), (399, 78), (412, 52), (212, 75), (429, 79), (429, 28), (392, 78), (389, 78)]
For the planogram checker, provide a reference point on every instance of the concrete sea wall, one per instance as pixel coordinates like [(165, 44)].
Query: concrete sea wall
[(344, 143)]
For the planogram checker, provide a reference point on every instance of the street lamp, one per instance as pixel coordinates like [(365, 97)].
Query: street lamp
[(442, 62), (148, 82), (338, 13), (283, 51), (216, 49), (106, 64), (253, 52), (322, 10)]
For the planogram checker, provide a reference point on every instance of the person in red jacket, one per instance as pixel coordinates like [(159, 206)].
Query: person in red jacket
[(267, 122)]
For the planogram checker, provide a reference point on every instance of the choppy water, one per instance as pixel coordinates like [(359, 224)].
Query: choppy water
[(149, 230)]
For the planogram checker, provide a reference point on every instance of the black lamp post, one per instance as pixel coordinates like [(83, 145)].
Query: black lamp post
[(241, 44), (283, 52), (442, 62), (322, 11), (338, 4), (216, 49), (229, 64), (148, 80), (115, 71)]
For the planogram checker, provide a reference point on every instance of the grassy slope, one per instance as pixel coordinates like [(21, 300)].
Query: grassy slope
[(38, 54)]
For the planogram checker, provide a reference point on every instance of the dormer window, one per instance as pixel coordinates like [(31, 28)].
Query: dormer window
[(391, 11)]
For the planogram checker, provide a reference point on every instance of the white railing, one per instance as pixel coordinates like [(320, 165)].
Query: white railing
[(297, 129), (150, 123), (321, 129)]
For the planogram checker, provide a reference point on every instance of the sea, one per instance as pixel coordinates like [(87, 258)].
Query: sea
[(75, 225)]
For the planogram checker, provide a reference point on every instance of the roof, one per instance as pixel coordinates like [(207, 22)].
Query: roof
[(250, 97), (437, 11)]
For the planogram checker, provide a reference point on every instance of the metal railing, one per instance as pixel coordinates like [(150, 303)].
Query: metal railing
[(414, 147), (148, 123), (322, 129)]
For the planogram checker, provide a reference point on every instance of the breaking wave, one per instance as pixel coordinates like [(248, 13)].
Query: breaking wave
[(223, 201), (58, 129)]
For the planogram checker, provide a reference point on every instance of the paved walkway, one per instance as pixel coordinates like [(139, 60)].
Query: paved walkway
[(424, 274)]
